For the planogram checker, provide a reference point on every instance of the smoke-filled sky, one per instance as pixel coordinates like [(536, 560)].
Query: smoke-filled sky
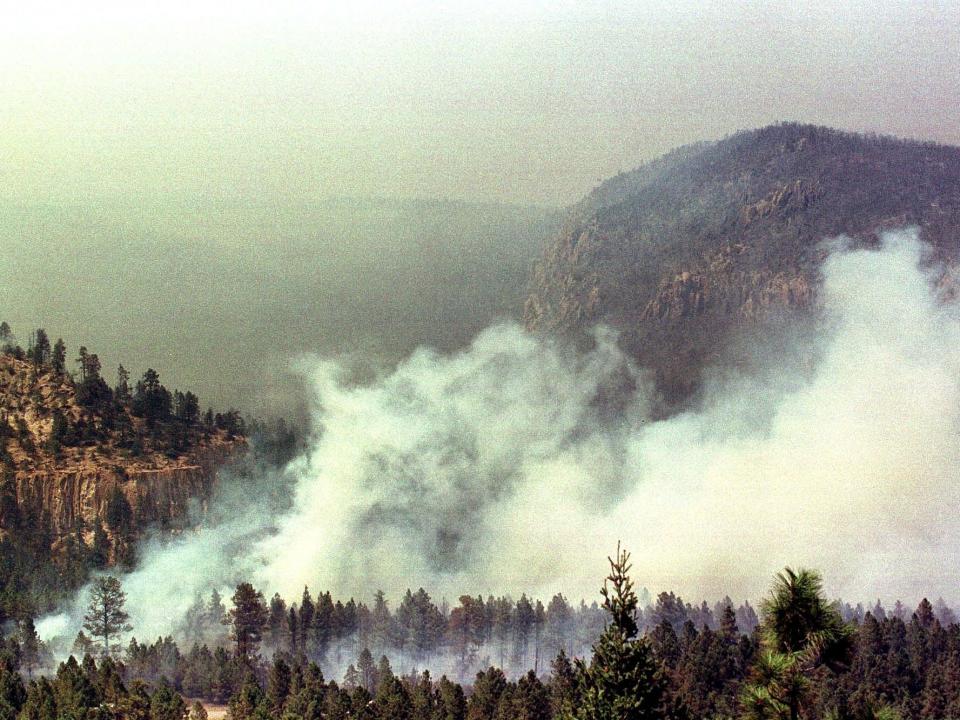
[(499, 100), (167, 168)]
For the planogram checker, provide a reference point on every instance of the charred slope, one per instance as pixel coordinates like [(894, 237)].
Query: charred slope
[(716, 239)]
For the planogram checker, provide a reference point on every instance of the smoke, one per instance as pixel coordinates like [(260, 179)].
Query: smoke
[(500, 468)]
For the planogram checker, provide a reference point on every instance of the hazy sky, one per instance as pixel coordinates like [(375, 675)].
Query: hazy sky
[(508, 100)]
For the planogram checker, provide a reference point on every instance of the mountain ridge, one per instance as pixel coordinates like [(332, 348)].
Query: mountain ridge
[(718, 238)]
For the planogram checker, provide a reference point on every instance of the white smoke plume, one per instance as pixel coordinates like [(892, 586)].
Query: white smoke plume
[(498, 469)]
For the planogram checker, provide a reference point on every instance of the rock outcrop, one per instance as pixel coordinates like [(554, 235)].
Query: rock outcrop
[(718, 239), (119, 476)]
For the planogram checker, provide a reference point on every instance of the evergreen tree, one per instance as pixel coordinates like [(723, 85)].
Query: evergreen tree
[(151, 400), (29, 646), (41, 703), (367, 670), (277, 621), (487, 690), (59, 430), (531, 700), (306, 618), (76, 696), (250, 702), (100, 550), (563, 687), (166, 704), (452, 705), (293, 629), (392, 700), (40, 352), (106, 618), (622, 681), (248, 618), (12, 694), (58, 360), (122, 389), (278, 686), (801, 632)]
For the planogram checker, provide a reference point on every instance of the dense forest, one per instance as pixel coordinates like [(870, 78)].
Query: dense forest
[(803, 658)]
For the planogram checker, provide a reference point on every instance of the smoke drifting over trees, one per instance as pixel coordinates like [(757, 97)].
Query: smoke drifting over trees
[(496, 470)]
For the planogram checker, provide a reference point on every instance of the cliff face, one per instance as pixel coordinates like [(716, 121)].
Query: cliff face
[(716, 239), (116, 475), (78, 495)]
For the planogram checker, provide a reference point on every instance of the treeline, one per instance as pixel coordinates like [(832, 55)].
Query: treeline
[(803, 661), (804, 657), (514, 635), (109, 414)]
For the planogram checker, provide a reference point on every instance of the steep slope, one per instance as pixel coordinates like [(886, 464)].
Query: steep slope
[(715, 239), (81, 477)]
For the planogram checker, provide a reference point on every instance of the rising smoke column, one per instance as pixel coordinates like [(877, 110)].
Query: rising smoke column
[(497, 470), (490, 470)]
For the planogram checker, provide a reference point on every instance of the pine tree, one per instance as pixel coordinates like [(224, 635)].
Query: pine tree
[(166, 704), (106, 618), (40, 353), (351, 678), (623, 681), (41, 702), (58, 360), (293, 629), (122, 389), (487, 689), (452, 703), (367, 670), (100, 551), (393, 700), (278, 686), (12, 694), (278, 620), (801, 632), (248, 618), (29, 646), (531, 700), (306, 618)]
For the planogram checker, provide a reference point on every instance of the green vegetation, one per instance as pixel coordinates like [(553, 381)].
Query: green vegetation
[(808, 659), (106, 618), (51, 418), (623, 680)]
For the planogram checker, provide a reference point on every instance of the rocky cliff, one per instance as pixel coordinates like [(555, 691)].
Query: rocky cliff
[(118, 478), (717, 239)]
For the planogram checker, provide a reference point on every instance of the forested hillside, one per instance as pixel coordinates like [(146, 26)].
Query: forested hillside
[(715, 241), (86, 468)]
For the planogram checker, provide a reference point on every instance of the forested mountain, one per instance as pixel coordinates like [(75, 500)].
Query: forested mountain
[(715, 239), (86, 468)]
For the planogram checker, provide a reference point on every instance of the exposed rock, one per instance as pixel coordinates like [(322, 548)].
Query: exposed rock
[(715, 239), (67, 490)]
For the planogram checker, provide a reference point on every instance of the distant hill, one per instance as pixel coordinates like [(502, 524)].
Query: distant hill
[(255, 284), (715, 239)]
